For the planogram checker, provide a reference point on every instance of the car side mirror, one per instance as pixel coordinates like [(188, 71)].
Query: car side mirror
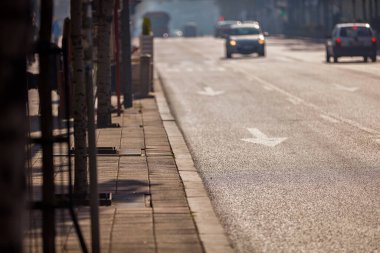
[(266, 34)]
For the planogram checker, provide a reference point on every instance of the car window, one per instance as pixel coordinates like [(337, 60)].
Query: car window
[(245, 31), (355, 32)]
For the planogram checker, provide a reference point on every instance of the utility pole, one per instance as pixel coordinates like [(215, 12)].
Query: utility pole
[(104, 24), (79, 106), (88, 68)]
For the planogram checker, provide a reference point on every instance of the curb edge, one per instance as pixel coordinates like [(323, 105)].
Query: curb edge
[(211, 232)]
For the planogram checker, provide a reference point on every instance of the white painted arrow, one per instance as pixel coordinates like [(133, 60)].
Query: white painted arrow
[(262, 139), (208, 91), (345, 88)]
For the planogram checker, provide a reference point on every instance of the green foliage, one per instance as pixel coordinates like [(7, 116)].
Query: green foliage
[(146, 27)]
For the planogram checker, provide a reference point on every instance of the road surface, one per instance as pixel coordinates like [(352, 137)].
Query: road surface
[(288, 146)]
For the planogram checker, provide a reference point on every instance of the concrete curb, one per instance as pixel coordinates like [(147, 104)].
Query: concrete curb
[(211, 232)]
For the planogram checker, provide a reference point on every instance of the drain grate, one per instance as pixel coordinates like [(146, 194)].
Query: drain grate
[(130, 152), (101, 151)]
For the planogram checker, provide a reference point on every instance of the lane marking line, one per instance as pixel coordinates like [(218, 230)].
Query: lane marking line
[(294, 101), (318, 109), (345, 88), (266, 87), (328, 118)]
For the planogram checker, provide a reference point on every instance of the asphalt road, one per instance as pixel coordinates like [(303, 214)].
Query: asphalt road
[(287, 145)]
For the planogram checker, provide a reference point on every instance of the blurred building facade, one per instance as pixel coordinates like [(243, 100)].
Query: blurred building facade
[(313, 18), (317, 17), (204, 13)]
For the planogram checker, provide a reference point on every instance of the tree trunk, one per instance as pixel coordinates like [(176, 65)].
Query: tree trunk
[(88, 61), (14, 43), (104, 22), (79, 108), (126, 65)]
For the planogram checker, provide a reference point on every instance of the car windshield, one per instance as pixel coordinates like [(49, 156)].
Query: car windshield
[(355, 31), (244, 31)]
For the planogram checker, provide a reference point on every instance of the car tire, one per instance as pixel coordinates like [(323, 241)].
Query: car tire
[(228, 55), (335, 59), (328, 56), (365, 59), (262, 53), (373, 58)]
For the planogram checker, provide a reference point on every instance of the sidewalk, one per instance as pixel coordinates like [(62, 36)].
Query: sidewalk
[(159, 202)]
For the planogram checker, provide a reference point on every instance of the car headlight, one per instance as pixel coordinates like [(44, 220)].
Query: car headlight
[(261, 39), (233, 43)]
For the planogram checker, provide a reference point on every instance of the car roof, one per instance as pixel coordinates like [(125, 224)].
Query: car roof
[(250, 22), (352, 24), (246, 25), (228, 22)]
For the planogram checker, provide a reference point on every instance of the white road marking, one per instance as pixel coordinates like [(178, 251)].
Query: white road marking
[(318, 109), (220, 69), (208, 91), (328, 118), (187, 63), (195, 69), (173, 70), (285, 59), (262, 139), (198, 69), (345, 88), (293, 100), (266, 87)]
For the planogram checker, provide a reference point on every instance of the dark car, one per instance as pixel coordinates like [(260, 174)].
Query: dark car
[(190, 30), (351, 39), (245, 39), (222, 28)]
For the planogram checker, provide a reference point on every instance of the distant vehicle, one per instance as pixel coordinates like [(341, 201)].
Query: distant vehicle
[(190, 30), (245, 39), (351, 39), (250, 22), (177, 33), (160, 23), (222, 28)]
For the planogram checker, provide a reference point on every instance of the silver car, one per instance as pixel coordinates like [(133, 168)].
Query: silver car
[(351, 39), (245, 39)]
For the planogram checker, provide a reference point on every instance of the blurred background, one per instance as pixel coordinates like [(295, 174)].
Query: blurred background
[(313, 18)]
